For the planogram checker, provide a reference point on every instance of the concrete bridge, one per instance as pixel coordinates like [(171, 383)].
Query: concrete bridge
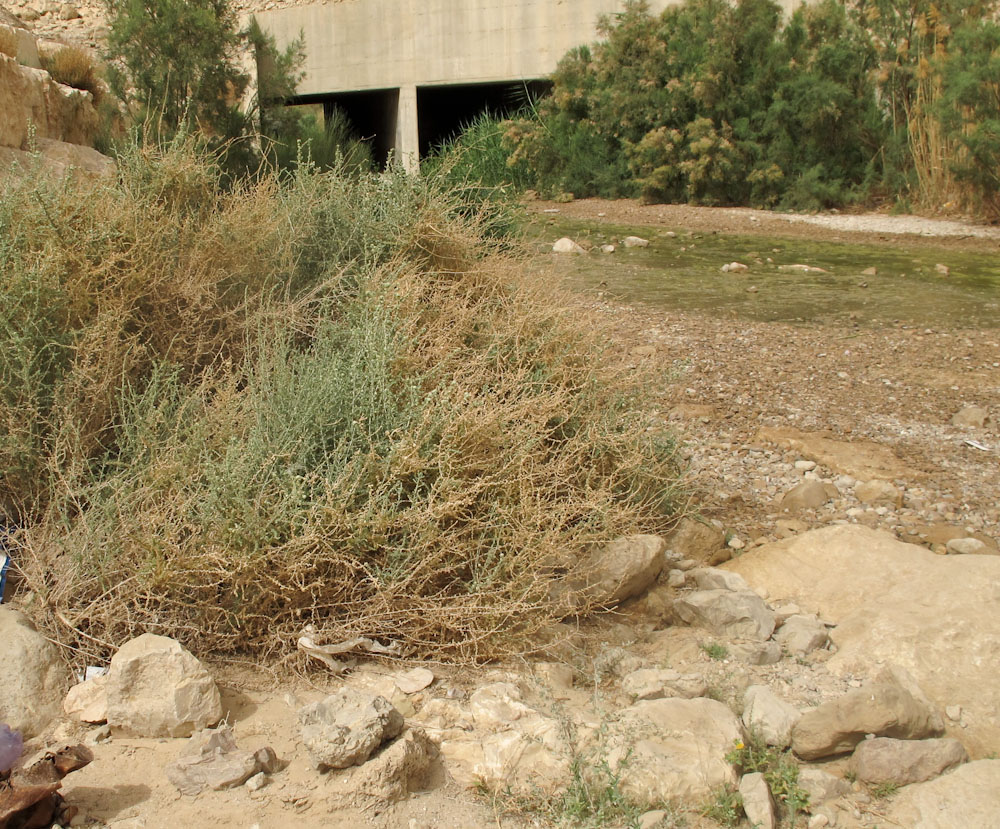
[(410, 72)]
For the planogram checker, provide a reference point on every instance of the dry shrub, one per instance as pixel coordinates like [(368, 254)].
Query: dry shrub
[(75, 67), (8, 42), (416, 444)]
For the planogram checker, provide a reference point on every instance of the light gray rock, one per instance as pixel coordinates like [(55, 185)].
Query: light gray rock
[(807, 495), (821, 786), (211, 760), (635, 242), (801, 634), (890, 706), (757, 802), (623, 569), (768, 715), (67, 11), (966, 547), (88, 701), (968, 797), (974, 416), (33, 678), (657, 683), (390, 776), (345, 728), (673, 750), (878, 492), (756, 653), (884, 760), (713, 578), (567, 245), (735, 614), (156, 688)]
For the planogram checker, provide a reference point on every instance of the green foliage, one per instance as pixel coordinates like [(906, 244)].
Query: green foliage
[(969, 109), (715, 650), (881, 791), (781, 773), (712, 103), (178, 62), (725, 808)]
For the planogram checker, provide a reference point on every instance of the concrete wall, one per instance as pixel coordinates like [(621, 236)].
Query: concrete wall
[(380, 44)]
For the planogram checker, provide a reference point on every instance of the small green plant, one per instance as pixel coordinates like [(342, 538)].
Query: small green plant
[(715, 650), (726, 808), (75, 67), (781, 772), (881, 791)]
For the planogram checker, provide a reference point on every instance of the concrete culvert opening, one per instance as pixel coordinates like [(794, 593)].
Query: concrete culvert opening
[(371, 114), (443, 111)]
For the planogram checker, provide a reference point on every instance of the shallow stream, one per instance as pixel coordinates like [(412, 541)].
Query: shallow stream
[(682, 270)]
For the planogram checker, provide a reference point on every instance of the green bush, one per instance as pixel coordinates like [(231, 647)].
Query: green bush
[(712, 103), (317, 398)]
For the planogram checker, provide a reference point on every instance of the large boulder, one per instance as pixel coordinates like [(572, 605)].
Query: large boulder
[(155, 688), (769, 716), (33, 677), (967, 798), (622, 569), (738, 614), (673, 750), (897, 603), (891, 706), (346, 728), (884, 760)]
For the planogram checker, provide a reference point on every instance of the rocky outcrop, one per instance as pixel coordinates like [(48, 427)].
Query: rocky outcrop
[(345, 728), (901, 762), (33, 678), (897, 604), (32, 103), (968, 797)]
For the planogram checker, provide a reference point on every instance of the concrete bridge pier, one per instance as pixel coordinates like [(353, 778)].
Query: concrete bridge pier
[(406, 143)]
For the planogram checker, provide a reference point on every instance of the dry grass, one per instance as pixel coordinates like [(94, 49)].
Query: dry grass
[(315, 404), (75, 67)]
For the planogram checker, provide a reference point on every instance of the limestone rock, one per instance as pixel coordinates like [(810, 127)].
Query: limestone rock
[(673, 749), (211, 760), (67, 11), (821, 786), (623, 569), (757, 802), (890, 706), (974, 416), (33, 679), (801, 634), (897, 603), (699, 541), (968, 797), (967, 547), (769, 716), (567, 245), (635, 242), (756, 653), (734, 267), (156, 688), (741, 614), (807, 495), (345, 728), (713, 578), (88, 701), (391, 775), (414, 680), (884, 760), (657, 683), (877, 492)]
